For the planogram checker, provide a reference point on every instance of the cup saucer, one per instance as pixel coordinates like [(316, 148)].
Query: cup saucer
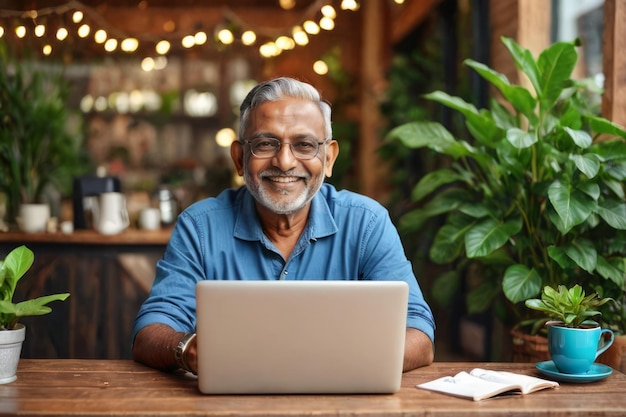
[(597, 372)]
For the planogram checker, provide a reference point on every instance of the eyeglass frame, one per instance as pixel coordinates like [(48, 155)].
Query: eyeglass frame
[(249, 143)]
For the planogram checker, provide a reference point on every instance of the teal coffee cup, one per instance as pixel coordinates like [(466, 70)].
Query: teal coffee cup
[(574, 350)]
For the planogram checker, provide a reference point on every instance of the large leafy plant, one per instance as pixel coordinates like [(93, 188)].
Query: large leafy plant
[(37, 148), (535, 197), (12, 269)]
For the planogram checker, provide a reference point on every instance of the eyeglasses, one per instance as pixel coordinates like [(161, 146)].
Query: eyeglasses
[(268, 147)]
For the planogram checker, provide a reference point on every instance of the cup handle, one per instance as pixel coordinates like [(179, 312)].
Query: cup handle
[(606, 344)]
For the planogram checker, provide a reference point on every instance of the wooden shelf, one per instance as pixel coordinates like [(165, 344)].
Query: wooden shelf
[(130, 236)]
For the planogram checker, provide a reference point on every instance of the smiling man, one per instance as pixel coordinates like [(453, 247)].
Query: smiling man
[(286, 223)]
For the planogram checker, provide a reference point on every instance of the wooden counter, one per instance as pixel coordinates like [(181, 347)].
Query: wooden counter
[(107, 276), (125, 388)]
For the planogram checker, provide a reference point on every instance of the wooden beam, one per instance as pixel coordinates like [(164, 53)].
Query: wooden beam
[(614, 61)]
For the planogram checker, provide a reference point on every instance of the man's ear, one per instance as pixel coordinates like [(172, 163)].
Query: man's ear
[(236, 153), (332, 152)]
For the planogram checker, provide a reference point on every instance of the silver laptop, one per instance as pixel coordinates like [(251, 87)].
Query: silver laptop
[(300, 337)]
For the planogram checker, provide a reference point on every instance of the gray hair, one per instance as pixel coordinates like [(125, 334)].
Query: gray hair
[(277, 89)]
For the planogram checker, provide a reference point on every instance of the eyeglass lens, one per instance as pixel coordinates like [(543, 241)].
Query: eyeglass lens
[(269, 147)]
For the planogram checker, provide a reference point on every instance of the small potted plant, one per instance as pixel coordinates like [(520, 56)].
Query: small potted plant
[(12, 333), (573, 336), (567, 307)]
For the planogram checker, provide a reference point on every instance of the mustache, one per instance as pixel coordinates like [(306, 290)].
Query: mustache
[(280, 173)]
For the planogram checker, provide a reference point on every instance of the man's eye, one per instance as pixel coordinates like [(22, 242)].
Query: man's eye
[(304, 145), (265, 144)]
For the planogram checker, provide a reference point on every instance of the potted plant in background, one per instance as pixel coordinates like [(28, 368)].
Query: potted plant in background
[(12, 333), (38, 149), (534, 198), (573, 337)]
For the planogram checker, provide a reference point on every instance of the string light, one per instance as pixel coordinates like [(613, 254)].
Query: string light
[(40, 30), (82, 16), (20, 31), (62, 33), (248, 38), (100, 36), (83, 30)]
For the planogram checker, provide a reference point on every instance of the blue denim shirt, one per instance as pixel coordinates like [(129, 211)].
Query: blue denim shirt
[(348, 236)]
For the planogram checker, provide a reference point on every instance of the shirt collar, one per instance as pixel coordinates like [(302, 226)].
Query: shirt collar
[(248, 225)]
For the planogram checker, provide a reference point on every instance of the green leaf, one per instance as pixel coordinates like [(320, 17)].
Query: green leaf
[(572, 206), (610, 271), (520, 283), (448, 243), (37, 306), (524, 60), (602, 125), (417, 135), (583, 253), (588, 164), (517, 95), (489, 235), (520, 139), (448, 200), (613, 212), (580, 137), (432, 181), (555, 64)]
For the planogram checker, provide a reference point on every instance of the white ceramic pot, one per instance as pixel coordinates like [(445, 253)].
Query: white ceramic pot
[(10, 351), (33, 218)]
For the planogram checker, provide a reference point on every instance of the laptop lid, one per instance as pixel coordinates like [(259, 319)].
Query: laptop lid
[(308, 337)]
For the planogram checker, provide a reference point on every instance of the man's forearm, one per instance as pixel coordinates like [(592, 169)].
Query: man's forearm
[(418, 350), (154, 346)]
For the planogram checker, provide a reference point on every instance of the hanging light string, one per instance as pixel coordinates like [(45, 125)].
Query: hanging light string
[(87, 23)]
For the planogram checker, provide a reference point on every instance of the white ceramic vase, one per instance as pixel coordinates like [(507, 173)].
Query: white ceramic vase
[(10, 351)]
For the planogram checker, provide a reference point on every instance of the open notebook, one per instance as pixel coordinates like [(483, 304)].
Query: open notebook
[(281, 337)]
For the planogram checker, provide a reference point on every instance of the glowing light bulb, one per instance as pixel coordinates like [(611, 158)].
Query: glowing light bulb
[(248, 37), (349, 5), (100, 36), (225, 137), (110, 45), (311, 27), (40, 30), (20, 31), (327, 23), (200, 38), (188, 41), (77, 17), (320, 67), (329, 11), (162, 47), (46, 50), (83, 30), (62, 34), (285, 43), (129, 45), (1, 31), (225, 36)]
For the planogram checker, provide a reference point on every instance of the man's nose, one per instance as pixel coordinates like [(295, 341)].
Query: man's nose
[(284, 158)]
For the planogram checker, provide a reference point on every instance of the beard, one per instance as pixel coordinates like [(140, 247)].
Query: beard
[(291, 201)]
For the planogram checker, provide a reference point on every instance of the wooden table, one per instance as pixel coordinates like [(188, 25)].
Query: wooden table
[(124, 388)]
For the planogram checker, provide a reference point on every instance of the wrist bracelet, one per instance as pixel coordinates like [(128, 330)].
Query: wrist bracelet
[(181, 349)]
